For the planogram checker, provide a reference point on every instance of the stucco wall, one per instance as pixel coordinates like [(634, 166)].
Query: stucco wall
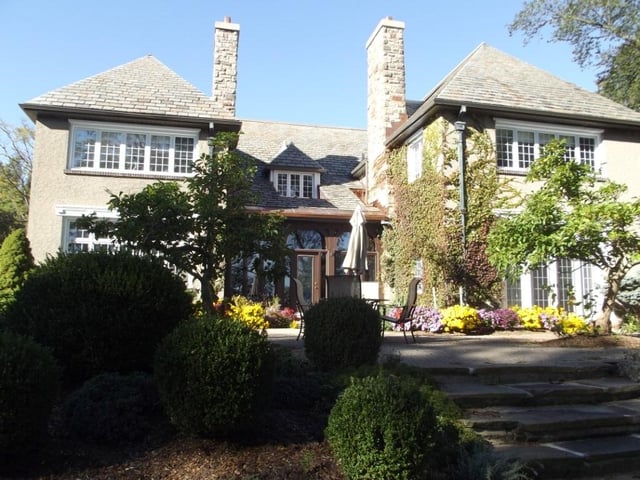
[(51, 187)]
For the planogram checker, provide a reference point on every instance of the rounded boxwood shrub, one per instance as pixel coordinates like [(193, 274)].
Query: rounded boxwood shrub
[(29, 386), (112, 408), (100, 312), (342, 332), (214, 376), (384, 427)]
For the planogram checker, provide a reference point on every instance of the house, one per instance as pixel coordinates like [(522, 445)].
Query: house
[(141, 122), (521, 108)]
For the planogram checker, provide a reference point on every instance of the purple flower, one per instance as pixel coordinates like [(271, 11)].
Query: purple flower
[(500, 318)]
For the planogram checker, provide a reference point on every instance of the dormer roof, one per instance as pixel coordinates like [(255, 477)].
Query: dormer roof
[(290, 157)]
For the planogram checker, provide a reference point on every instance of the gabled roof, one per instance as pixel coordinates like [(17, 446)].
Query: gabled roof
[(290, 157), (143, 87), (334, 150), (489, 79)]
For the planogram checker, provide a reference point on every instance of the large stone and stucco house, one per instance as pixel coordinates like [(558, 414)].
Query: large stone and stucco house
[(141, 122)]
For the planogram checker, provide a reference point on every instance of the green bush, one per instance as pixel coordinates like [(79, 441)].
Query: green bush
[(16, 262), (384, 427), (29, 385), (112, 409), (100, 312), (214, 376), (342, 332)]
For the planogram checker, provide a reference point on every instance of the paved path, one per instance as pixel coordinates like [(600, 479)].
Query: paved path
[(519, 348)]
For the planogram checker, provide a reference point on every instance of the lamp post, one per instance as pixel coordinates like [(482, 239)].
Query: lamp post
[(460, 128)]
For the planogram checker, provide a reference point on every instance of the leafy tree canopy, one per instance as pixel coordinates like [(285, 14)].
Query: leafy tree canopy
[(16, 150), (572, 215), (202, 225), (604, 33)]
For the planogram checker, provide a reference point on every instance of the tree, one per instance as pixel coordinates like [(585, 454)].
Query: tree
[(16, 153), (201, 228), (16, 262), (571, 215), (604, 33)]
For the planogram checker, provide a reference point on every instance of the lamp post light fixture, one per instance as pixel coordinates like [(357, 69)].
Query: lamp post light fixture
[(460, 128)]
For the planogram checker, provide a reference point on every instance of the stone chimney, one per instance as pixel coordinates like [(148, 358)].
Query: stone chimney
[(386, 102), (225, 67)]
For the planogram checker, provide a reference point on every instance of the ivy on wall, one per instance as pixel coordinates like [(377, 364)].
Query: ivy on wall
[(427, 219)]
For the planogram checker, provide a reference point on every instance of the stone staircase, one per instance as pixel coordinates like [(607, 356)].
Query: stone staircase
[(565, 422)]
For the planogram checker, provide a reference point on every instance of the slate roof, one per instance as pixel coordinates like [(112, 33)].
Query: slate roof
[(142, 87), (335, 151), (493, 80)]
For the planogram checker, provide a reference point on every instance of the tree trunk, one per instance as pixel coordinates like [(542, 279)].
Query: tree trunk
[(614, 280)]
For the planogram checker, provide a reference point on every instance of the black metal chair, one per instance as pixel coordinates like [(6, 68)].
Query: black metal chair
[(343, 286), (301, 305), (406, 315)]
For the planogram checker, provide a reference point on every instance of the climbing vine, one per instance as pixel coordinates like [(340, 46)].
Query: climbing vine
[(427, 219)]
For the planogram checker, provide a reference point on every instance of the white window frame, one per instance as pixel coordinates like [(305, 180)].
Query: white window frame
[(71, 213), (415, 149), (585, 280), (315, 181), (542, 130), (122, 151)]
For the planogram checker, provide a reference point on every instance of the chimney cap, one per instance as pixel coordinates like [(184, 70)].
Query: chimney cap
[(226, 24)]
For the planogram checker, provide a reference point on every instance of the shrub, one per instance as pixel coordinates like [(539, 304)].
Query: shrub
[(112, 408), (384, 427), (342, 332), (16, 262), (100, 312), (214, 376), (29, 385)]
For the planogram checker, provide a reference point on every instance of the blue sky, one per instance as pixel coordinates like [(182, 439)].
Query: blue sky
[(299, 61)]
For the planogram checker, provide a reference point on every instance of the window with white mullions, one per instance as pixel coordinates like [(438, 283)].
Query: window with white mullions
[(110, 143), (526, 149), (518, 143), (132, 148), (295, 185), (134, 156), (184, 148), (298, 185), (81, 240)]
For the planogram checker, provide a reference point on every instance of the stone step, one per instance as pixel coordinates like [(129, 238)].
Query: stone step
[(600, 457), (554, 423), (595, 390), (506, 374)]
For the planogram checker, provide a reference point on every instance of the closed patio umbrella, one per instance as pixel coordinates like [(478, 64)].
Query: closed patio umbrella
[(355, 260)]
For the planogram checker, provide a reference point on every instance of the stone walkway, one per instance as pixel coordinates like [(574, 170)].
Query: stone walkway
[(465, 351)]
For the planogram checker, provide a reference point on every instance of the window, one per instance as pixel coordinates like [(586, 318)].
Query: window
[(414, 159), (299, 185), (132, 149), (518, 144), (80, 240), (539, 287)]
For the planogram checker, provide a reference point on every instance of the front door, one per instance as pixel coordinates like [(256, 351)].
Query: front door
[(308, 271)]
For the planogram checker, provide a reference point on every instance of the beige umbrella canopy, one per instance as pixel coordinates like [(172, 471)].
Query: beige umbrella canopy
[(355, 261)]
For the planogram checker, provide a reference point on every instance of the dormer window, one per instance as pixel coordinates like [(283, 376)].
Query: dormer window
[(298, 185)]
